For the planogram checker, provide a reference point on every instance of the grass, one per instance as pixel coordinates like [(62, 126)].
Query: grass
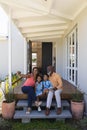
[(42, 125), (38, 124)]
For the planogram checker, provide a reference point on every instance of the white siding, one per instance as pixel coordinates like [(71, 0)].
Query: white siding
[(64, 73), (59, 56), (17, 53), (3, 58), (82, 35), (81, 22), (17, 50)]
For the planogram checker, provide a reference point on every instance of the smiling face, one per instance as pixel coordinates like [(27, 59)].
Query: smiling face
[(45, 77), (35, 71), (39, 79), (50, 70)]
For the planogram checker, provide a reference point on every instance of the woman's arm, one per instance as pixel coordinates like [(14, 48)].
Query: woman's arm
[(24, 75)]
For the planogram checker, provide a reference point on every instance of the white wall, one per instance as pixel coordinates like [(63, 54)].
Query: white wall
[(81, 22), (82, 35), (17, 50), (64, 73), (18, 58), (3, 58), (59, 56)]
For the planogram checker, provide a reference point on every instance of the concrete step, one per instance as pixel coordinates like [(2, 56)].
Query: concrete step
[(23, 103), (40, 115)]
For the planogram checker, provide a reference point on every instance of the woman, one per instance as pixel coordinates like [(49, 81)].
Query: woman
[(28, 88)]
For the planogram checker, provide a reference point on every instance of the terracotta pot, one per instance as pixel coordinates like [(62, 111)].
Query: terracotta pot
[(77, 109), (8, 110)]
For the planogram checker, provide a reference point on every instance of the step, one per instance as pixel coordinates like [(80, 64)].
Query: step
[(41, 115), (23, 103)]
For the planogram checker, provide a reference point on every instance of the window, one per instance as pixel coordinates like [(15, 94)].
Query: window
[(34, 60), (72, 56)]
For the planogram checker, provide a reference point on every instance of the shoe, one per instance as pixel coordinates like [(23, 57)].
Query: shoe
[(28, 110), (39, 109), (47, 112), (39, 103), (36, 103), (59, 110)]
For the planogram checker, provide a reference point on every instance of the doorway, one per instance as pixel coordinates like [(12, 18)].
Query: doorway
[(46, 55), (41, 54)]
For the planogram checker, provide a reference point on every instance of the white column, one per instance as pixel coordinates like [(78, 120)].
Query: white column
[(10, 50), (25, 56)]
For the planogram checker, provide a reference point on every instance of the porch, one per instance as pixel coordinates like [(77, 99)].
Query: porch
[(67, 92), (21, 106)]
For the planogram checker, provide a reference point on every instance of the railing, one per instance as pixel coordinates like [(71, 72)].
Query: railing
[(16, 80)]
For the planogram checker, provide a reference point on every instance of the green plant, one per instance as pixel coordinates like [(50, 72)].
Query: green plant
[(77, 96), (9, 97), (8, 93)]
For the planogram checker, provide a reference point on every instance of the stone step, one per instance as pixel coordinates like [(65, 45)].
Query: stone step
[(23, 103), (40, 115)]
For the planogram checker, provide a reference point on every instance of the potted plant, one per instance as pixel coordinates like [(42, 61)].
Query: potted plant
[(8, 105), (77, 104)]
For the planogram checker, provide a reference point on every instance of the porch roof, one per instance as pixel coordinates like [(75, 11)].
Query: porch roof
[(43, 19)]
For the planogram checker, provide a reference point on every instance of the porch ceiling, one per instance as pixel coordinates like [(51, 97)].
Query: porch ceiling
[(43, 19)]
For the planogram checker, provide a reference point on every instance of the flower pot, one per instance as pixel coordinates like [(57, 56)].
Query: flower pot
[(8, 109), (77, 109)]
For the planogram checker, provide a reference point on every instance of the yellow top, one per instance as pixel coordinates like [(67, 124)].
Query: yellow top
[(56, 80)]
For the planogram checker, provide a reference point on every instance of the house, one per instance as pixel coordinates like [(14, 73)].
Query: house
[(61, 23)]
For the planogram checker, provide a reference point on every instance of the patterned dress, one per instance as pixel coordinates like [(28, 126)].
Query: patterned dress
[(39, 88)]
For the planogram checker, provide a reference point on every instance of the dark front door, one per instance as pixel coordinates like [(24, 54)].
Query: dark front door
[(30, 56), (46, 55)]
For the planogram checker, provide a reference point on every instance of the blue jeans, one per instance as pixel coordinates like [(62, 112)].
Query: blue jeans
[(31, 94)]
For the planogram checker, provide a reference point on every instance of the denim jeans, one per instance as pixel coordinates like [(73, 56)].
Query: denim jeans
[(31, 94)]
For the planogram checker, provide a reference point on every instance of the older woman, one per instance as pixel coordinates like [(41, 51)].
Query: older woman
[(57, 89)]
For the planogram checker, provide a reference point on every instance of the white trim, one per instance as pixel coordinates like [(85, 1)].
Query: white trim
[(25, 56), (80, 10), (61, 15), (72, 68), (10, 49), (3, 38)]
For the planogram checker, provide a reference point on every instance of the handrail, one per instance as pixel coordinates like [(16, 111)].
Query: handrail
[(16, 80)]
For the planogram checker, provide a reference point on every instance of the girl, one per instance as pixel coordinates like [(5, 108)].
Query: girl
[(39, 90)]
